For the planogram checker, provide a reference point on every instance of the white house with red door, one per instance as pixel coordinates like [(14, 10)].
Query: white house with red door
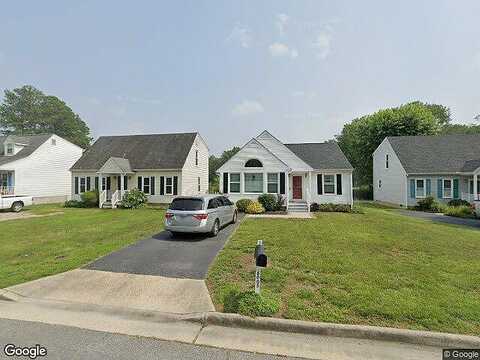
[(302, 173)]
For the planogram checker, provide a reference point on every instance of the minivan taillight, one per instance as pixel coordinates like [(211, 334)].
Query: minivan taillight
[(168, 216), (201, 216)]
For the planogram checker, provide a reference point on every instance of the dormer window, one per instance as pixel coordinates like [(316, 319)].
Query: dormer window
[(254, 163), (10, 148)]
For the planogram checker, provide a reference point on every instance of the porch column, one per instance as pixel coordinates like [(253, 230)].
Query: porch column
[(287, 191), (100, 189), (122, 184), (309, 190), (475, 187)]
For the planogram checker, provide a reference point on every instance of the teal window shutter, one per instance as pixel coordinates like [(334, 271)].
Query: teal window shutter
[(455, 189), (429, 187), (440, 188), (412, 188)]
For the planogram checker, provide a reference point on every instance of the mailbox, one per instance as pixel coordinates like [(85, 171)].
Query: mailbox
[(260, 257)]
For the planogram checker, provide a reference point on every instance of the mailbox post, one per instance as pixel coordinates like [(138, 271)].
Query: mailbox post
[(260, 262)]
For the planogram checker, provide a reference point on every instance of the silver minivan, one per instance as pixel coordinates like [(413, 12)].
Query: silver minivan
[(200, 214)]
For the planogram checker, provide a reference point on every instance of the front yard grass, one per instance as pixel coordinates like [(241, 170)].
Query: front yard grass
[(376, 268), (36, 247)]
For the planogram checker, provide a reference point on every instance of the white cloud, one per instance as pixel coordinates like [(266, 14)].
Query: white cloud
[(323, 43), (241, 35), (278, 49), (281, 22), (247, 107)]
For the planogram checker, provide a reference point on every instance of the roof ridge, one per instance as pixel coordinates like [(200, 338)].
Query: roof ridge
[(155, 134), (313, 143)]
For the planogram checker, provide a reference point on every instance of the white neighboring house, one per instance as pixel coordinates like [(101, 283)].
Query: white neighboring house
[(38, 166), (409, 168), (161, 165), (302, 173)]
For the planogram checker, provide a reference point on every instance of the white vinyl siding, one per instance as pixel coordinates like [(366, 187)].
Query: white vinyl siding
[(196, 166), (45, 174)]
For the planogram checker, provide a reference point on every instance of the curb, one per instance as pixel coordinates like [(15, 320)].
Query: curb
[(425, 338)]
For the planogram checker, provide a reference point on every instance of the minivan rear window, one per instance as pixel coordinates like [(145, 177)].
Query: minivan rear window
[(186, 204)]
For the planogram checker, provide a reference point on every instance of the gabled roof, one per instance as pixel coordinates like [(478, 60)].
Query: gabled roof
[(30, 142), (437, 154), (326, 155), (152, 152), (116, 165)]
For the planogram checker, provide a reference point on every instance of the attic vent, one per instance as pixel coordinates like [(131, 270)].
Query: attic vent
[(253, 163), (54, 142)]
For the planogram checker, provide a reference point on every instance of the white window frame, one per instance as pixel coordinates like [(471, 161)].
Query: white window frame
[(424, 188), (334, 184), (387, 161), (230, 182), (451, 188), (149, 185), (10, 150), (277, 183), (84, 178), (245, 182), (166, 185)]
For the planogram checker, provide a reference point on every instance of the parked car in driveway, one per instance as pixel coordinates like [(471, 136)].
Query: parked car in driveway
[(200, 214), (14, 202)]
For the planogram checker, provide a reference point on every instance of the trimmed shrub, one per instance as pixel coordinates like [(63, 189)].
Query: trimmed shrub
[(330, 207), (242, 204), (460, 211), (254, 208), (281, 202), (73, 204), (134, 199), (458, 202), (250, 304), (90, 198), (268, 201), (429, 204)]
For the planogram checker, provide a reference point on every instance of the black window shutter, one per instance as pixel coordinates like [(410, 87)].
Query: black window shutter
[(88, 183), (76, 184), (282, 183), (162, 185), (319, 184), (339, 184), (225, 183), (152, 185), (119, 183), (125, 182), (96, 183), (139, 183), (175, 185)]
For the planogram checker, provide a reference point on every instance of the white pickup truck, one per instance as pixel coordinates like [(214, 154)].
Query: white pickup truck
[(14, 202)]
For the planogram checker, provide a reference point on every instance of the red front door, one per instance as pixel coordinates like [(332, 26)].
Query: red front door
[(297, 187)]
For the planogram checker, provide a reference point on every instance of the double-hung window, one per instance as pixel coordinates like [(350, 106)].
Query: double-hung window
[(329, 184), (9, 149), (447, 188), (234, 182), (169, 185), (272, 183), (146, 185), (420, 188), (253, 182)]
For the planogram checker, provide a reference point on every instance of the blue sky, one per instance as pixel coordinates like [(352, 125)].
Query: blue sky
[(300, 69)]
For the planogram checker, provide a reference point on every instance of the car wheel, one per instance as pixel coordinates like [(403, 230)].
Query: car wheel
[(173, 234), (17, 206), (235, 216), (215, 228)]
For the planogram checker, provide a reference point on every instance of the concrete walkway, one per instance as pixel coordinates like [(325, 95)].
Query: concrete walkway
[(166, 327), (440, 218), (156, 293)]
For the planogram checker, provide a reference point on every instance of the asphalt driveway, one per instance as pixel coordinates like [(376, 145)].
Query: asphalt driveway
[(440, 218), (187, 256)]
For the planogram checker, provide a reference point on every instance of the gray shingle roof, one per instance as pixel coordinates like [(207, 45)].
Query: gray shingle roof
[(437, 154), (326, 155), (32, 143), (155, 151)]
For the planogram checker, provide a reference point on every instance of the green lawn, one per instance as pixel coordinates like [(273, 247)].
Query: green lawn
[(377, 268), (36, 247)]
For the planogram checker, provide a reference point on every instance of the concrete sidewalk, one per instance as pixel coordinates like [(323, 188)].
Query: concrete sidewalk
[(167, 327), (145, 292)]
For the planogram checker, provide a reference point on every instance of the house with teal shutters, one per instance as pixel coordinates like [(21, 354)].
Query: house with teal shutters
[(409, 168)]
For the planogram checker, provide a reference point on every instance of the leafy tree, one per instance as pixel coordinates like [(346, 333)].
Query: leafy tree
[(214, 163), (460, 129), (28, 111), (361, 137)]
